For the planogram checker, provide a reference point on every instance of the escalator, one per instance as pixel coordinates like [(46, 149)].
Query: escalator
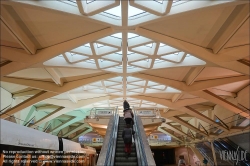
[(112, 152), (120, 156), (223, 144), (206, 150), (226, 144)]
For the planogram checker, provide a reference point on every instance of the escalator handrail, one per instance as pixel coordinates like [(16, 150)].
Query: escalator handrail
[(141, 157), (205, 156), (218, 148), (109, 160), (114, 139), (233, 145), (221, 142)]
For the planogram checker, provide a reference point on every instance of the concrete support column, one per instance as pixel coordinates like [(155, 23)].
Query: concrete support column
[(214, 156)]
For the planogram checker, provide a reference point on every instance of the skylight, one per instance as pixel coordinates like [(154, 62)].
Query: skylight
[(132, 11), (87, 45), (149, 45), (99, 45), (89, 1), (90, 61), (129, 52), (117, 35), (116, 11), (120, 52), (175, 1), (158, 60), (159, 1), (72, 1), (131, 35), (161, 44)]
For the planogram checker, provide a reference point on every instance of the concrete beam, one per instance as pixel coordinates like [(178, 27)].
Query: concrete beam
[(80, 126), (241, 16), (12, 26), (188, 125), (202, 117), (65, 124), (222, 102), (82, 133), (165, 132), (55, 76), (26, 93), (197, 51), (32, 100), (22, 60)]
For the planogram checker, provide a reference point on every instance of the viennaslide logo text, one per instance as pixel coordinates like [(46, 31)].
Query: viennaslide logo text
[(238, 155)]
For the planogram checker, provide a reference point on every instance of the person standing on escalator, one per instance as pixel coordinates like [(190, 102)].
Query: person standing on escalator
[(128, 114), (127, 135)]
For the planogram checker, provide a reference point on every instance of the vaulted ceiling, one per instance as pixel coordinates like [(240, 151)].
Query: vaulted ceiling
[(184, 57)]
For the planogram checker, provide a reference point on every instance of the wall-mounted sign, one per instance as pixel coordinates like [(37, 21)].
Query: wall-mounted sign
[(103, 112), (146, 113), (153, 136), (97, 140)]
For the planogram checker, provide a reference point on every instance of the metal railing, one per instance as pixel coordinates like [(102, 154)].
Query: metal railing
[(141, 157), (204, 154), (110, 156)]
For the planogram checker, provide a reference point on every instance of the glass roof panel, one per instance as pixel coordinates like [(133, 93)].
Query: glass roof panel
[(87, 45), (132, 35), (158, 60), (132, 11), (159, 1), (120, 52), (175, 1), (129, 52), (88, 1), (72, 1), (99, 45), (161, 44), (149, 45), (116, 11), (90, 61), (117, 35)]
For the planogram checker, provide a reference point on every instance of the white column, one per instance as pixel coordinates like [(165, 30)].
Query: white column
[(214, 156)]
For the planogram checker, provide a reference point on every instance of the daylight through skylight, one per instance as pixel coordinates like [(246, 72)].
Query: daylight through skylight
[(87, 45), (89, 1), (159, 1), (131, 35), (132, 11), (116, 11), (117, 35)]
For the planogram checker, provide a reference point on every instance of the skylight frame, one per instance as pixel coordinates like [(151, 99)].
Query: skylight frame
[(91, 1), (158, 1)]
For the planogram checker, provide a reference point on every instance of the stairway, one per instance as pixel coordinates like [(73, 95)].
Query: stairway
[(120, 155)]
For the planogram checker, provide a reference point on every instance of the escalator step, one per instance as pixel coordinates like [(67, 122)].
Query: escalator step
[(122, 146), (122, 150), (124, 159), (123, 154), (120, 155), (125, 163), (119, 138)]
